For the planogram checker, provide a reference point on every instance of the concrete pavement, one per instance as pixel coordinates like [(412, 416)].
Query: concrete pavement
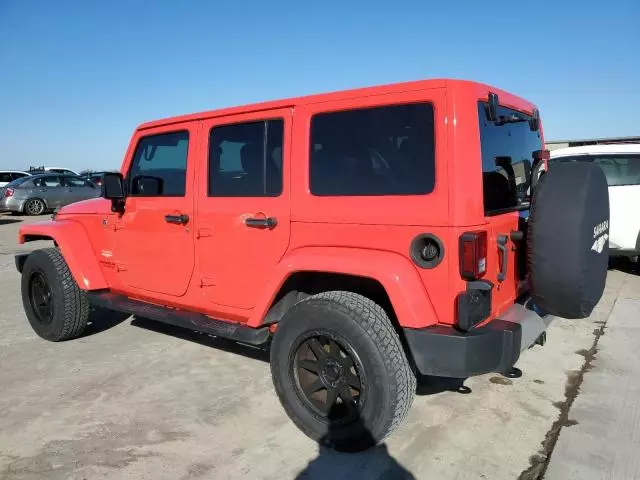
[(604, 439), (143, 400)]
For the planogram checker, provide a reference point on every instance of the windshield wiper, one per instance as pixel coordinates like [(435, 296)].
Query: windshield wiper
[(513, 118)]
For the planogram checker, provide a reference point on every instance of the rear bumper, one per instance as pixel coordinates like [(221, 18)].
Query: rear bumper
[(11, 204), (494, 347)]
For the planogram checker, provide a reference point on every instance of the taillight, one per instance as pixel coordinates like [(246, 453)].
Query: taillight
[(473, 255), (8, 192)]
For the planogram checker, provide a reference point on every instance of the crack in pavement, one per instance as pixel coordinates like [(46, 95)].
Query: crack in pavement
[(539, 462)]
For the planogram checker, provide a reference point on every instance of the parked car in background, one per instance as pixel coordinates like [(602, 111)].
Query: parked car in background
[(8, 176), (621, 165), (45, 169), (37, 194), (94, 177)]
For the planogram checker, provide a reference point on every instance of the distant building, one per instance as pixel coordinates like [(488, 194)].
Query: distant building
[(555, 144)]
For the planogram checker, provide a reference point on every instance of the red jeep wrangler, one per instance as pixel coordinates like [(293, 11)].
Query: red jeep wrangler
[(367, 237)]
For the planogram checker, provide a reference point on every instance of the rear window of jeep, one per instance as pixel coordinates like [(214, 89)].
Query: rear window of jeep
[(387, 150), (507, 157)]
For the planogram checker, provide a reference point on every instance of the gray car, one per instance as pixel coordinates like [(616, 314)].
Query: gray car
[(37, 194)]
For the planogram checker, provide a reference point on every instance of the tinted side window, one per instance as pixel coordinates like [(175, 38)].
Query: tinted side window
[(245, 159), (25, 182), (48, 181), (17, 175), (6, 177), (74, 182), (373, 151), (162, 161)]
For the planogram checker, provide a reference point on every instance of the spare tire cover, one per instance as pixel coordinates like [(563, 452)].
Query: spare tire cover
[(567, 239)]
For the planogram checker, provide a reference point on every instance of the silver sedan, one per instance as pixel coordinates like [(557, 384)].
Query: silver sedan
[(38, 194)]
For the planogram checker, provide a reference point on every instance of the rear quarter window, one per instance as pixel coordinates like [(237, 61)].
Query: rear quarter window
[(22, 181), (387, 150)]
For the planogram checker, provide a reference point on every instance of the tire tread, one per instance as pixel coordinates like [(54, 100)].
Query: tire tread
[(75, 305), (378, 325)]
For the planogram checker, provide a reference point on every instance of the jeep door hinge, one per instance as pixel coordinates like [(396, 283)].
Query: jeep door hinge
[(203, 233), (207, 282)]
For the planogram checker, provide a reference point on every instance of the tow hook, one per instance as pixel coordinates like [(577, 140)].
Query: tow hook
[(542, 339)]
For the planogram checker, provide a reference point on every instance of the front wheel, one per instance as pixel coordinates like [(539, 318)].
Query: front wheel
[(340, 371), (56, 308)]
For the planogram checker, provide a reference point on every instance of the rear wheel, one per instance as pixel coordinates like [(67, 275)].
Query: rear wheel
[(340, 371), (56, 308), (34, 206)]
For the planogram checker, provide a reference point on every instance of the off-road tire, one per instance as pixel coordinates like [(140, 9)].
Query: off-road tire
[(567, 239), (390, 381), (70, 305)]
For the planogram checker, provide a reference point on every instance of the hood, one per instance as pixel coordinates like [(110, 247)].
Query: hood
[(87, 207)]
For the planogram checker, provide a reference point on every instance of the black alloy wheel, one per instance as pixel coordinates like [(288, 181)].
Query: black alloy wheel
[(41, 298), (329, 377)]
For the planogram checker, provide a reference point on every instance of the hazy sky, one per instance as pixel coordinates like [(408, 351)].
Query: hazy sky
[(76, 77)]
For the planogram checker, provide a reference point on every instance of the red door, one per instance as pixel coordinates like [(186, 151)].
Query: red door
[(154, 237), (243, 210), (502, 260), (507, 150)]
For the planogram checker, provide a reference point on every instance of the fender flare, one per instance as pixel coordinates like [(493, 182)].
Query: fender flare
[(73, 242), (396, 273)]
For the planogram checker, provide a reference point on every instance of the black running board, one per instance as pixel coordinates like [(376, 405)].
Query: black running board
[(180, 318)]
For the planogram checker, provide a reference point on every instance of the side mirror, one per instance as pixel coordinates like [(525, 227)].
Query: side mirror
[(113, 189), (112, 186), (147, 185)]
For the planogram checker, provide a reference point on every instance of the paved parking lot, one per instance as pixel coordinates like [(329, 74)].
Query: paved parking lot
[(134, 399)]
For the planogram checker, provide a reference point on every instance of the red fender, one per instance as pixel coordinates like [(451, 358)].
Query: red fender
[(73, 242), (396, 273)]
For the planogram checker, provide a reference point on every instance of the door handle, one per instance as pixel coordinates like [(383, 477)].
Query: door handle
[(502, 246), (177, 219), (253, 222)]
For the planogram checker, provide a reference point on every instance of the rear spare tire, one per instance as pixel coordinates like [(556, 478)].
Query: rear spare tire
[(567, 239)]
